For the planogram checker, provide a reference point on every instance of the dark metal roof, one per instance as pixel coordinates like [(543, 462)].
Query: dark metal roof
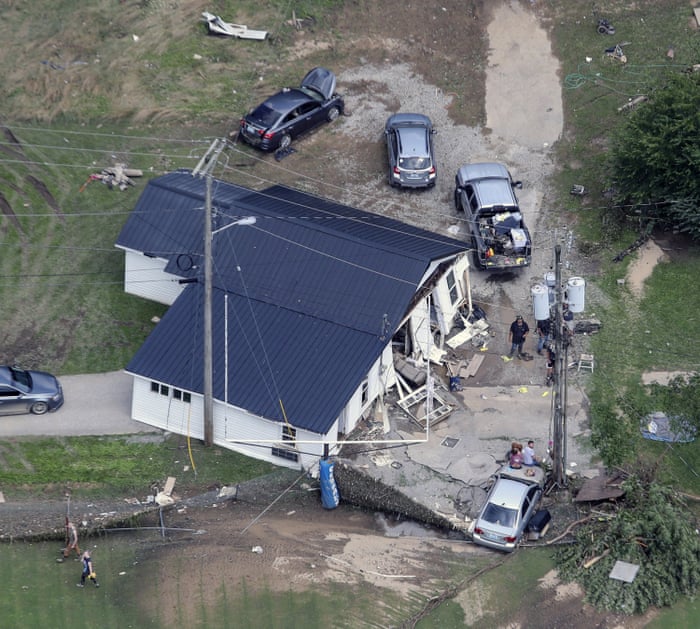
[(314, 292)]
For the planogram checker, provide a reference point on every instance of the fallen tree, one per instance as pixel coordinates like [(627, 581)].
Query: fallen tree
[(651, 528)]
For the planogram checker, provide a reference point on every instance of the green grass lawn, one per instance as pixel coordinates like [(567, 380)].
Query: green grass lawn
[(112, 467)]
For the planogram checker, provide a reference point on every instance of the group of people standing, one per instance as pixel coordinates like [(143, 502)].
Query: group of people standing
[(517, 335)]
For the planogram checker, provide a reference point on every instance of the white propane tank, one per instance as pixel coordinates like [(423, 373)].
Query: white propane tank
[(576, 293), (540, 301)]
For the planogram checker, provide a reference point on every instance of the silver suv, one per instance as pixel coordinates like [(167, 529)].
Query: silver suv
[(409, 144)]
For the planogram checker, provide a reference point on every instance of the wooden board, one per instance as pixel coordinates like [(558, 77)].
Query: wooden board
[(169, 485), (474, 365)]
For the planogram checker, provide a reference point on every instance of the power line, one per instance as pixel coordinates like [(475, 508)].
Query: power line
[(111, 136)]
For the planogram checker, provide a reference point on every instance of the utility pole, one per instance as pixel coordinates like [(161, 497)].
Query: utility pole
[(560, 344), (205, 167)]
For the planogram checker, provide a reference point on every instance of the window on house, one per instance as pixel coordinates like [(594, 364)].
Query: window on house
[(365, 392), (289, 436), (160, 388), (452, 287), (183, 396)]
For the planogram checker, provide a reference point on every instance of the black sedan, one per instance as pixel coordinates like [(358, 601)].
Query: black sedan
[(293, 111), (23, 391), (409, 145)]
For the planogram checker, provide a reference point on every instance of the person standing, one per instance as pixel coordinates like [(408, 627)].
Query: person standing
[(517, 335), (543, 328), (550, 366), (71, 539), (88, 570)]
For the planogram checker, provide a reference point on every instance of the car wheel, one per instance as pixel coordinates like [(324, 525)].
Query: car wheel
[(333, 113), (39, 408), (285, 141)]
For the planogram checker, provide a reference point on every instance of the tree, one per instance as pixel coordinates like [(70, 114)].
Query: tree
[(651, 528), (655, 155)]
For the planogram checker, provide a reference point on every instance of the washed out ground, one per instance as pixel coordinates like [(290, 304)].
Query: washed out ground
[(486, 75)]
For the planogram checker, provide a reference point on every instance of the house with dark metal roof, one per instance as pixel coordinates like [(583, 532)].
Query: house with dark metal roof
[(306, 303)]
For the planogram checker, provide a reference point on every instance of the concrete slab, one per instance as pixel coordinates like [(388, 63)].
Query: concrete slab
[(451, 481)]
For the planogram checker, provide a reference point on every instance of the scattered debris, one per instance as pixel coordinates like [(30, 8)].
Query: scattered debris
[(634, 246), (624, 571), (280, 154), (257, 550), (578, 190), (601, 487), (596, 559), (299, 23), (616, 53), (659, 427), (477, 332), (415, 405), (228, 493), (587, 326), (632, 103), (217, 26), (605, 27), (118, 175), (409, 371)]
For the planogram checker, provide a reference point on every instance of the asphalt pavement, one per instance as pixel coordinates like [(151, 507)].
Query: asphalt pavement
[(95, 404)]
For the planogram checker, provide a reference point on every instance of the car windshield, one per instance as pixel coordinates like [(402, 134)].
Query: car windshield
[(21, 378), (311, 92), (264, 115), (496, 514), (414, 163)]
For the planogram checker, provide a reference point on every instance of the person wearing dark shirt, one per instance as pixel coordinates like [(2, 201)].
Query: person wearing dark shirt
[(543, 328), (88, 570), (517, 335)]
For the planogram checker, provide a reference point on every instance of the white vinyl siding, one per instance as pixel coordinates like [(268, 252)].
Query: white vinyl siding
[(231, 424), (144, 276)]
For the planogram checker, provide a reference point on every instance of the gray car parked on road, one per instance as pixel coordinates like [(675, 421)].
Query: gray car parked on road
[(409, 144), (23, 391)]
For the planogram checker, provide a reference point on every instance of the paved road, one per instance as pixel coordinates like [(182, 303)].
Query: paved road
[(96, 404)]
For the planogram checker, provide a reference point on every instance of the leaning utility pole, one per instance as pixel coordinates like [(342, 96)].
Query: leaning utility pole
[(559, 410), (205, 167)]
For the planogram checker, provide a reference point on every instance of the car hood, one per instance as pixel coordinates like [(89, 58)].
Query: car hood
[(320, 80), (44, 383)]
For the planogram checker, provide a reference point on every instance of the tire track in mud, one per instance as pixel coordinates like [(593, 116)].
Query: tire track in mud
[(7, 211), (15, 151)]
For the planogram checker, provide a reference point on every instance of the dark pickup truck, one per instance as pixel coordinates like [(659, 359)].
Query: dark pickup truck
[(485, 193)]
